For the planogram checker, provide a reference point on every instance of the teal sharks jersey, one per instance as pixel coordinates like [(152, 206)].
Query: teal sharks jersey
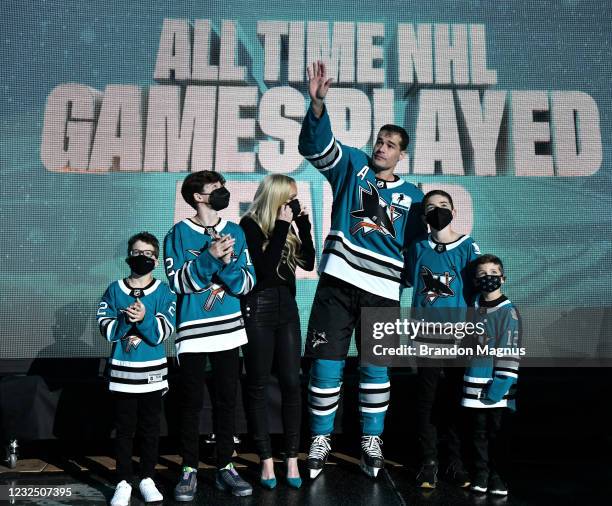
[(138, 359), (439, 273), (490, 380), (208, 290), (373, 220)]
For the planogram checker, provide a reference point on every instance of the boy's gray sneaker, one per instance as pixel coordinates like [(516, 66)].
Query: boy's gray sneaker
[(186, 488), (229, 480)]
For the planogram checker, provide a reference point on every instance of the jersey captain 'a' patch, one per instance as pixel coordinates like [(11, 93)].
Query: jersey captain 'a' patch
[(375, 214), (436, 285)]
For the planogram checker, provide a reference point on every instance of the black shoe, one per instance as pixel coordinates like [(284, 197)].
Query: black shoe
[(480, 482), (457, 475), (497, 486), (427, 477)]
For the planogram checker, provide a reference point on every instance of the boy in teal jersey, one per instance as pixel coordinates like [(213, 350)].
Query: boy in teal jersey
[(137, 314), (489, 384), (437, 267), (208, 266)]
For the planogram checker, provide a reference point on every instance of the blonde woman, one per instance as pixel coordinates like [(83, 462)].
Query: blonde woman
[(271, 314)]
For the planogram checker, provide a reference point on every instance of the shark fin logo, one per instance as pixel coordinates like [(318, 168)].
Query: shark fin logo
[(375, 214), (436, 285)]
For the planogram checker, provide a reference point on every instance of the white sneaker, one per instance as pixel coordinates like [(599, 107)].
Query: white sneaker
[(149, 491), (122, 495)]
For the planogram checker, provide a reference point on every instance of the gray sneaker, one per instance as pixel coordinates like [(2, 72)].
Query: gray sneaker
[(229, 480), (186, 488)]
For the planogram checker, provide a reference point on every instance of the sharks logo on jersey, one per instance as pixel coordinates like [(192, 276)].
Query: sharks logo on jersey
[(436, 285), (131, 342), (375, 214), (216, 293)]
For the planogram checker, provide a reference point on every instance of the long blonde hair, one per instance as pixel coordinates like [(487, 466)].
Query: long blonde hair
[(272, 193)]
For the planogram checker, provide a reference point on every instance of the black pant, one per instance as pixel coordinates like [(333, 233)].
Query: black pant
[(485, 425), (225, 366), (273, 327), (137, 414), (439, 404), (335, 314)]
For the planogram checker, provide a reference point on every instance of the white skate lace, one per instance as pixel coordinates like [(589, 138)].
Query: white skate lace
[(372, 446), (319, 447)]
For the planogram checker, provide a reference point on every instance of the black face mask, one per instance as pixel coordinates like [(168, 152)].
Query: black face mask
[(219, 198), (295, 206), (439, 217), (488, 283), (141, 264)]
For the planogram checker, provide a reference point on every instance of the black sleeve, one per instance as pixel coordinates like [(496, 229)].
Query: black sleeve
[(307, 251), (265, 261), (415, 227)]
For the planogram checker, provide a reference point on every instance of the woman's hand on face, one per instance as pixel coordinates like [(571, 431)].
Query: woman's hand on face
[(285, 213)]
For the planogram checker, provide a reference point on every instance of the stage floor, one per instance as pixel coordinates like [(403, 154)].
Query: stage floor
[(90, 480)]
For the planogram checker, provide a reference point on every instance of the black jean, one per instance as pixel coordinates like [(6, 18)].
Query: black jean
[(273, 327), (439, 388), (225, 372), (137, 414), (485, 425)]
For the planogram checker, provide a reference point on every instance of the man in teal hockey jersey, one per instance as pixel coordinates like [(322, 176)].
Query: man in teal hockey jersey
[(208, 266), (374, 217)]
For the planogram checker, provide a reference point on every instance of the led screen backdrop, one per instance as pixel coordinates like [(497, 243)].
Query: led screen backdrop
[(106, 106)]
